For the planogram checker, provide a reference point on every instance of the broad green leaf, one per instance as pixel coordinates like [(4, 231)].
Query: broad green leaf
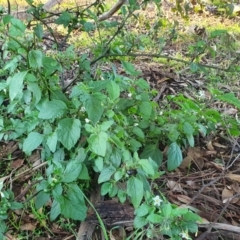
[(98, 143), (16, 84), (135, 191), (143, 210), (71, 171), (106, 174), (34, 88), (105, 188), (138, 132), (99, 164), (84, 173), (187, 128), (41, 199), (16, 205), (106, 125), (230, 98), (55, 210), (147, 167), (190, 139), (118, 175), (35, 59), (65, 18), (134, 145), (17, 27), (69, 131), (72, 203), (153, 152), (154, 218), (52, 142), (166, 210), (94, 106), (143, 84), (190, 216), (52, 109), (50, 65), (33, 140), (139, 222), (38, 30), (113, 90), (174, 155), (130, 69), (145, 110)]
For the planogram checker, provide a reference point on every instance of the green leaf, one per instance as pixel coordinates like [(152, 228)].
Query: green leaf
[(106, 125), (130, 69), (55, 210), (35, 59), (166, 210), (187, 128), (52, 109), (94, 107), (106, 174), (105, 188), (38, 30), (34, 88), (98, 143), (16, 84), (17, 27), (146, 110), (142, 210), (174, 155), (152, 151), (33, 140), (52, 141), (139, 222), (138, 132), (154, 218), (143, 84), (190, 139), (230, 98), (65, 18), (147, 167), (72, 171), (41, 199), (72, 204), (84, 173), (16, 205), (113, 90), (135, 191), (69, 131), (98, 164)]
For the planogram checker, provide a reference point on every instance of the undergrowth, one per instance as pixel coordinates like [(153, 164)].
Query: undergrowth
[(103, 123)]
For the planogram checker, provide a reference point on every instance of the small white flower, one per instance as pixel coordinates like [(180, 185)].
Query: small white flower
[(83, 109), (201, 94), (161, 113), (135, 124), (185, 235), (129, 95), (87, 120), (157, 201)]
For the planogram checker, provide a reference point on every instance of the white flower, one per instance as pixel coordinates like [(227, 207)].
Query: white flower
[(83, 109), (201, 94), (161, 113), (129, 95), (87, 120), (185, 235), (157, 201), (135, 124)]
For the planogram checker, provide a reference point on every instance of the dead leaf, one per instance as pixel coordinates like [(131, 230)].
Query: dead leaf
[(28, 226), (186, 162), (233, 176), (210, 146), (219, 145), (174, 186), (230, 111), (183, 198), (226, 195), (17, 163)]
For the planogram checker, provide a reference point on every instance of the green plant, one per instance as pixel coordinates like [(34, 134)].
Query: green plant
[(106, 123)]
